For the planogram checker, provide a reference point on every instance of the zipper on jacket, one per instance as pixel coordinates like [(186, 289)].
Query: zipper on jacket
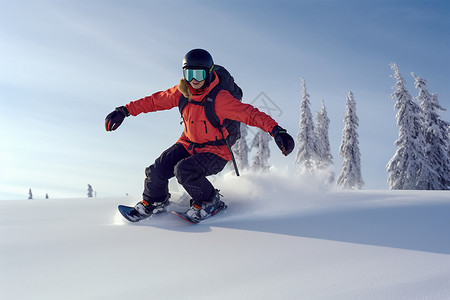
[(206, 127)]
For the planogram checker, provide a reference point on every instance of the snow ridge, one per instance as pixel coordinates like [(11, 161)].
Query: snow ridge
[(282, 237)]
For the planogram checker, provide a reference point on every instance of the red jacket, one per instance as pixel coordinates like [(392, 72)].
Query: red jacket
[(197, 128)]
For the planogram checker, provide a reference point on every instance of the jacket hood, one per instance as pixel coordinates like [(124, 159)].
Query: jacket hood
[(183, 87)]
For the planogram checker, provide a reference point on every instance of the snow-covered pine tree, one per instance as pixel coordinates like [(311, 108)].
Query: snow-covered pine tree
[(240, 149), (322, 141), (306, 138), (448, 134), (90, 190), (350, 177), (436, 138), (261, 158), (406, 166)]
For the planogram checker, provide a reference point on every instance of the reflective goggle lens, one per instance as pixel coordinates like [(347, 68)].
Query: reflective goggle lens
[(190, 74)]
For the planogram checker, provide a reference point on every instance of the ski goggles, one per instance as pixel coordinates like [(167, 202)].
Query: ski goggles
[(197, 74)]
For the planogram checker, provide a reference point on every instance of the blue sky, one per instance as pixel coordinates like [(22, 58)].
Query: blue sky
[(64, 65)]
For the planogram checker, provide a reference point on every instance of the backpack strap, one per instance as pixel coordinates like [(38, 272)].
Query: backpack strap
[(215, 121), (184, 101), (210, 112)]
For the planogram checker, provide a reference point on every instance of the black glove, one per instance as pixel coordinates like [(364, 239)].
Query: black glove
[(284, 141), (114, 119)]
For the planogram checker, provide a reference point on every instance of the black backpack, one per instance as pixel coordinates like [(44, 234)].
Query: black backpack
[(226, 82)]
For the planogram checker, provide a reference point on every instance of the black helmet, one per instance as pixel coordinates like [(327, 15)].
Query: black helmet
[(199, 59)]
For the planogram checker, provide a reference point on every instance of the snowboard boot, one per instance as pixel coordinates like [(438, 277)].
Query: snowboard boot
[(147, 209), (202, 210)]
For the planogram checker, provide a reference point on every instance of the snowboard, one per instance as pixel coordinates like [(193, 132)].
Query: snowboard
[(132, 215), (182, 214)]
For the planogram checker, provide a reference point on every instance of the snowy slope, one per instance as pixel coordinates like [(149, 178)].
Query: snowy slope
[(281, 238)]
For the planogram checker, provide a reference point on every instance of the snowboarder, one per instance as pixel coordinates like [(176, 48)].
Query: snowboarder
[(201, 150)]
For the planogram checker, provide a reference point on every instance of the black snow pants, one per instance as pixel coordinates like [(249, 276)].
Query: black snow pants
[(190, 171)]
